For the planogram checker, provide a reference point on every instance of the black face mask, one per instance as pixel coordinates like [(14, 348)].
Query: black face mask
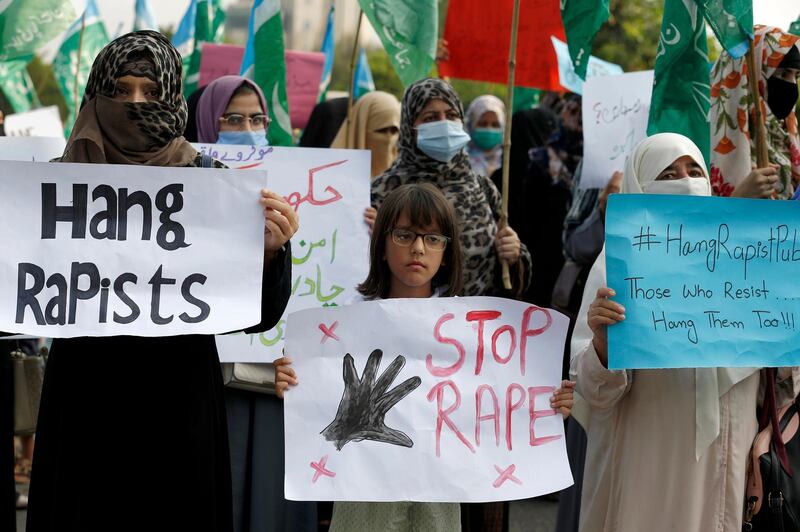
[(781, 97)]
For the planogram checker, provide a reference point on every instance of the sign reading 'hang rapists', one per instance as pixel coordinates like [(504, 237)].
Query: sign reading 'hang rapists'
[(96, 250)]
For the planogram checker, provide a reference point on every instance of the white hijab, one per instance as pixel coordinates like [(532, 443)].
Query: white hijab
[(648, 159)]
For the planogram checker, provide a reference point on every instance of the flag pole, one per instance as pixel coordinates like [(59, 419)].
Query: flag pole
[(512, 65), (75, 95), (351, 80), (762, 153)]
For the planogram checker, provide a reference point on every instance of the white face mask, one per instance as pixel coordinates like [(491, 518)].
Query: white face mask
[(686, 186)]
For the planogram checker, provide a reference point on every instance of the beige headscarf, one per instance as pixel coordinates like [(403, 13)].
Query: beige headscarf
[(648, 159), (373, 111)]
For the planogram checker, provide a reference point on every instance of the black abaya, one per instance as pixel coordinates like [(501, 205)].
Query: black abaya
[(132, 431)]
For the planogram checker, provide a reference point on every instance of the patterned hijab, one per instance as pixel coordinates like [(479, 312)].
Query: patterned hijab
[(108, 131), (475, 199), (732, 117)]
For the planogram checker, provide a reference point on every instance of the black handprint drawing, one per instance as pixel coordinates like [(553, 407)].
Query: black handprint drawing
[(365, 403)]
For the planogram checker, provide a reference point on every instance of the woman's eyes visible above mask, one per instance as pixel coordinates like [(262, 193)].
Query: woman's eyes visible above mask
[(390, 130), (787, 74), (453, 116)]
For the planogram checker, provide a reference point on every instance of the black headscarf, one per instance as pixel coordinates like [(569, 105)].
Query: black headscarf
[(324, 123), (190, 133)]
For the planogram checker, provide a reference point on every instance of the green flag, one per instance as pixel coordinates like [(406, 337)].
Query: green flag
[(525, 98), (25, 25), (66, 69), (17, 85), (203, 32), (681, 89), (264, 63), (582, 19), (732, 22), (794, 29), (218, 20), (408, 31)]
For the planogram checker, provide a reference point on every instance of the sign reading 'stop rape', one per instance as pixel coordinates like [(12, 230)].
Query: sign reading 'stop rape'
[(97, 250)]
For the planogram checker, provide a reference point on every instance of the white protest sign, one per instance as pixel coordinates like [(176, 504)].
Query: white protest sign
[(44, 122), (567, 76), (460, 409), (330, 252), (98, 250), (40, 149), (615, 112)]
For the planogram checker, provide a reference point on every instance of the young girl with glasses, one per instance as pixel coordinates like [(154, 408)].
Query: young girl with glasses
[(415, 251)]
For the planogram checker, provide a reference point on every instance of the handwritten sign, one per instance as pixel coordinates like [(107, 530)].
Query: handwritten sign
[(41, 149), (615, 111), (303, 74), (705, 281), (447, 397), (566, 72), (219, 60), (99, 250), (44, 122), (330, 190)]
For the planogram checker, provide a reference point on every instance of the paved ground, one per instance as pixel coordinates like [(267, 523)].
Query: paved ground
[(535, 515)]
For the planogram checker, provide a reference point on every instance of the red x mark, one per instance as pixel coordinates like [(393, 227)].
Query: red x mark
[(319, 469), (327, 332), (505, 474)]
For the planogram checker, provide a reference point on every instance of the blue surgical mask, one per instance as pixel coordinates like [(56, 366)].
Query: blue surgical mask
[(441, 140), (246, 138)]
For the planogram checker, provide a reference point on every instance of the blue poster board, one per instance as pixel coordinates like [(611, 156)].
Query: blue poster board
[(705, 281)]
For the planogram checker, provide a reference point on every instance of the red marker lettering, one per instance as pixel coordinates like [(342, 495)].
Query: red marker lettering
[(442, 415), (511, 407), (496, 335), (481, 316), (495, 415), (526, 332), (437, 333), (536, 414)]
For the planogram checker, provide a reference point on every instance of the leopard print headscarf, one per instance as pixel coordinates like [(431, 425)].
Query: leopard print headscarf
[(108, 131), (475, 198)]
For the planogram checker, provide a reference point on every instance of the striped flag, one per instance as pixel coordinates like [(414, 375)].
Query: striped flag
[(144, 19), (65, 65), (328, 48), (265, 64)]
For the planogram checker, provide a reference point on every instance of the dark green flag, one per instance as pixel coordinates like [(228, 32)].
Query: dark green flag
[(582, 19)]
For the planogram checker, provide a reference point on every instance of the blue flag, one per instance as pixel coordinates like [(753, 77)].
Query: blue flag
[(183, 40), (144, 19), (363, 82)]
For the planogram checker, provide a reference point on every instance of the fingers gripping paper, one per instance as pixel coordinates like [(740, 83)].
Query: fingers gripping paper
[(443, 399)]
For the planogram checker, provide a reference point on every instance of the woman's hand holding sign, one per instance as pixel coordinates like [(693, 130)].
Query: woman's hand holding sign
[(280, 222), (602, 313)]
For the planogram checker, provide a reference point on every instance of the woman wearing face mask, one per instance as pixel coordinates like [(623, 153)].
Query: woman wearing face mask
[(375, 126), (232, 110), (151, 407), (486, 119), (733, 155), (431, 149), (665, 447)]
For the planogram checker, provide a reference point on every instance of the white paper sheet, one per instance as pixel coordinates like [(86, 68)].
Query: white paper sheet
[(339, 448)]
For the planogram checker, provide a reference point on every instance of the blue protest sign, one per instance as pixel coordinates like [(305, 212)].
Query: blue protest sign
[(705, 281)]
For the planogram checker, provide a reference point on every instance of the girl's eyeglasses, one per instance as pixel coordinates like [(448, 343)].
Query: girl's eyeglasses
[(237, 121), (432, 241)]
